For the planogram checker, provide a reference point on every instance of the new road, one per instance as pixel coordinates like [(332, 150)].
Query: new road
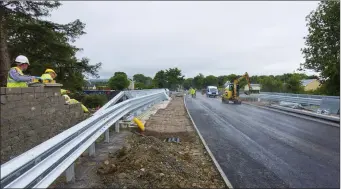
[(262, 148)]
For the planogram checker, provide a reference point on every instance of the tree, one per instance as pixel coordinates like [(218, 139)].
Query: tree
[(46, 44), (174, 78), (160, 80), (119, 81), (188, 83), (198, 81), (232, 77), (322, 51), (142, 81), (270, 84), (222, 80), (139, 85), (139, 78), (293, 84), (211, 80), (93, 101)]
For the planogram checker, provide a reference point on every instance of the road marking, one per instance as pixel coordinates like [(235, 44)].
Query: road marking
[(226, 180)]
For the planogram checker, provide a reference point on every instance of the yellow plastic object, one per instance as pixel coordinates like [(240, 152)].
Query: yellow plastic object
[(139, 124), (85, 109)]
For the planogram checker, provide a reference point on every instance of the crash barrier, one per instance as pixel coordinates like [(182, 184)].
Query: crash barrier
[(310, 114), (300, 95), (330, 103), (43, 164), (123, 95)]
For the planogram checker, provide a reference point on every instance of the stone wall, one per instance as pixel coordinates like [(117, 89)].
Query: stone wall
[(30, 116)]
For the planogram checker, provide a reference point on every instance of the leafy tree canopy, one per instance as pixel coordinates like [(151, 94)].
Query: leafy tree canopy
[(46, 44), (322, 51), (142, 81), (198, 81), (188, 83), (211, 80), (160, 80), (119, 81)]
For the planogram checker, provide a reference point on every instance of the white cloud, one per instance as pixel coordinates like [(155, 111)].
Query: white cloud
[(198, 37)]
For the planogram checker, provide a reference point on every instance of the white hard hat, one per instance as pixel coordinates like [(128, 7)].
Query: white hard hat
[(22, 60)]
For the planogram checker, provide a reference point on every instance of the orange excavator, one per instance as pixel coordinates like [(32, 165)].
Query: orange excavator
[(231, 92)]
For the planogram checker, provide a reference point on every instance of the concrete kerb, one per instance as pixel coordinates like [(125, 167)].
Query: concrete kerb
[(226, 180), (296, 115)]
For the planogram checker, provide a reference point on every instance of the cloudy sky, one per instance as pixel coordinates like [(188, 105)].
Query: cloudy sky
[(216, 38)]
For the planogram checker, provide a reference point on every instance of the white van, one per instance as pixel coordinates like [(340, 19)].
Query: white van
[(212, 91)]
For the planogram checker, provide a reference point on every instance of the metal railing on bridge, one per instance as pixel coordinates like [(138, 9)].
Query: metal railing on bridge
[(330, 103), (43, 164)]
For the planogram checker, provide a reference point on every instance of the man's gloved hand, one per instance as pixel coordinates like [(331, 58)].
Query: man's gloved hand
[(39, 79)]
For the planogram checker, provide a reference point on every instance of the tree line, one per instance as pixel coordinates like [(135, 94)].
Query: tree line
[(321, 54), (23, 30), (172, 78)]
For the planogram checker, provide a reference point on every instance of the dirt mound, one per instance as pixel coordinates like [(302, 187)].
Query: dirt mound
[(148, 162)]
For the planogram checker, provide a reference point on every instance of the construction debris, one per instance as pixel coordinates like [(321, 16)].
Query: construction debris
[(160, 160)]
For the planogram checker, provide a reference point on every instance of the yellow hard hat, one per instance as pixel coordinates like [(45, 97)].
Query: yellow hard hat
[(50, 70)]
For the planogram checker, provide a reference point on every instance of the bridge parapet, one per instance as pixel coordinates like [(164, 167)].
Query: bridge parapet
[(30, 116)]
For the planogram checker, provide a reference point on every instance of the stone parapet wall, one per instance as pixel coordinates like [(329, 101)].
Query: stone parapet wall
[(30, 116)]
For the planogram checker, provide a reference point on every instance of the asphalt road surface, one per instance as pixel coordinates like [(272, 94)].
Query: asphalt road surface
[(261, 148)]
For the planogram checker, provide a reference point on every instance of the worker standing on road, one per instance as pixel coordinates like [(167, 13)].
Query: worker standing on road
[(191, 92), (16, 78)]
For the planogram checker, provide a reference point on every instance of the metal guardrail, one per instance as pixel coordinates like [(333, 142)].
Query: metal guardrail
[(278, 98), (41, 165), (311, 114), (300, 95), (329, 103)]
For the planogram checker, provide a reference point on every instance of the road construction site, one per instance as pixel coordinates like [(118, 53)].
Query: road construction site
[(258, 147), (150, 159), (187, 143)]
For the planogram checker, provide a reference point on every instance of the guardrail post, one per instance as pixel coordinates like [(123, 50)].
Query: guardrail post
[(70, 173), (92, 150), (107, 138), (117, 127)]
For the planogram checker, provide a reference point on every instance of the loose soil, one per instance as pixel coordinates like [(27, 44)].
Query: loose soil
[(147, 161)]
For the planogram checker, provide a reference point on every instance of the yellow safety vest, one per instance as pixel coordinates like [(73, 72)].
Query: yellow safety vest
[(84, 108), (12, 83), (46, 76), (63, 91)]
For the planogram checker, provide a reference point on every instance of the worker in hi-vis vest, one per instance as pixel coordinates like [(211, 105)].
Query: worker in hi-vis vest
[(50, 75), (16, 77)]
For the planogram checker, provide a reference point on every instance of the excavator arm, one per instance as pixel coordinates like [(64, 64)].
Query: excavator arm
[(236, 81)]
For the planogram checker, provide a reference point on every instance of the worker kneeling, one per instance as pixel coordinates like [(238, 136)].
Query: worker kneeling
[(74, 101)]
